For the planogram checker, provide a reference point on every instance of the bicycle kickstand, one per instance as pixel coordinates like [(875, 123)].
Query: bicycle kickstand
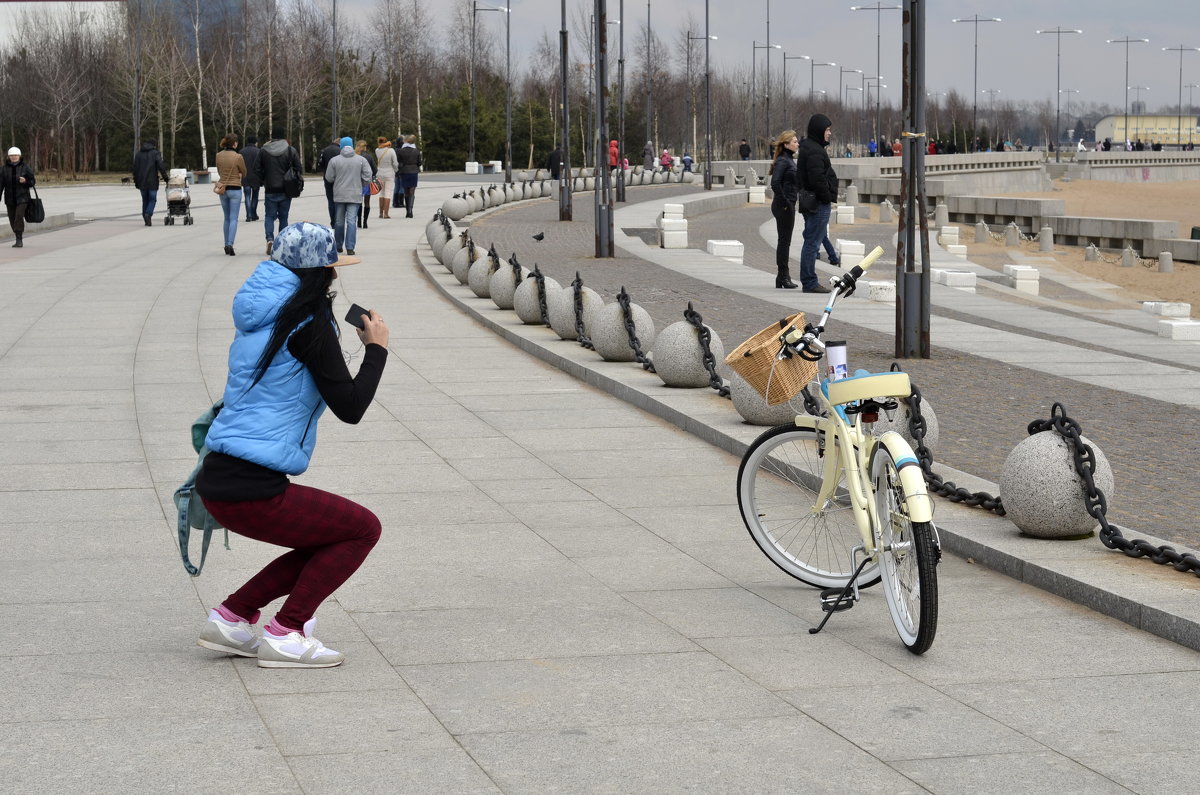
[(835, 601)]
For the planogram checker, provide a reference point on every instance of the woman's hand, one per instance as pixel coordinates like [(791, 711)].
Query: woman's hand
[(373, 330)]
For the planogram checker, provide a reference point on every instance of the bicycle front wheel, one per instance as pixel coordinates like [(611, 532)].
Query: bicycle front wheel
[(907, 558), (778, 487)]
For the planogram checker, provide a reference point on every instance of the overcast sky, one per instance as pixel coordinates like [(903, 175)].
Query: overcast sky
[(1013, 59)]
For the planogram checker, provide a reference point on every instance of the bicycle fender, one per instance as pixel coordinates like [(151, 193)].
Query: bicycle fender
[(812, 423), (916, 497)]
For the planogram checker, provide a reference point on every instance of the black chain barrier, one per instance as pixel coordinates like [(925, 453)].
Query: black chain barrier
[(539, 279), (710, 363), (631, 330), (516, 268), (493, 260), (1110, 534), (580, 331), (945, 488)]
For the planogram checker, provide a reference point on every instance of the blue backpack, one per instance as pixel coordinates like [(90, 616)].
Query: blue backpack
[(189, 508)]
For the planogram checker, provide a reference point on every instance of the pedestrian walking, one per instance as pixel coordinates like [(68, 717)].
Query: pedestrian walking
[(386, 164), (666, 161), (250, 182), (784, 190), (277, 158), (360, 149), (323, 160), (554, 163), (148, 166), (231, 169), (285, 366), (744, 150), (648, 156), (16, 178), (346, 175), (815, 173), (410, 168)]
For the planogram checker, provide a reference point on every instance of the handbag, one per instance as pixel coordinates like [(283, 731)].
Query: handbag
[(374, 186), (219, 189), (806, 201), (35, 211), (190, 513)]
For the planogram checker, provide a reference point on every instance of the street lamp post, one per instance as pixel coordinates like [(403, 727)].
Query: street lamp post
[(1191, 111), (475, 9), (937, 133), (975, 86), (842, 72), (991, 92), (565, 209), (649, 75), (691, 94), (1127, 41), (621, 104), (787, 58), (877, 82), (878, 8), (1137, 103), (812, 77), (846, 101), (754, 90), (708, 185), (1068, 92), (1058, 32), (1181, 50)]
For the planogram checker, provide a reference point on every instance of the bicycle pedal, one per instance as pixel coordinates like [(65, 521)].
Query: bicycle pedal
[(829, 600)]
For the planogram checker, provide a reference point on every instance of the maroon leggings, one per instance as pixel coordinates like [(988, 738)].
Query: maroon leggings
[(330, 537)]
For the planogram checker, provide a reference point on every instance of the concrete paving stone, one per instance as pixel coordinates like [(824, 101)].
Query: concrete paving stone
[(637, 461), (364, 671), (790, 662), (416, 771), (151, 754), (70, 506), (67, 449), (454, 451), (84, 540), (566, 693), (1143, 770), (604, 625), (915, 716), (667, 490), (1074, 715), (554, 397), (428, 429), (74, 431), (546, 438), (506, 491), (58, 628), (70, 687), (31, 477), (725, 755), (1036, 772), (614, 419), (29, 582), (695, 526), (479, 468), (718, 612), (662, 571), (359, 474), (401, 510), (741, 562), (354, 722)]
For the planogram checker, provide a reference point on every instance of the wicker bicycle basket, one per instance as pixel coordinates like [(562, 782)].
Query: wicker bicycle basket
[(755, 360)]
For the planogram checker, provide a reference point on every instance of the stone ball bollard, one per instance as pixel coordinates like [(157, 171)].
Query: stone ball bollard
[(753, 407), (606, 328), (1042, 493), (456, 207), (560, 306), (526, 303), (479, 275), (678, 358), (437, 238), (464, 258), (900, 421), (446, 253), (503, 285)]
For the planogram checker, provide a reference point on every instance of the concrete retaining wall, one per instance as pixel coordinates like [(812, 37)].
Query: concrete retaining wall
[(1028, 214), (1136, 166)]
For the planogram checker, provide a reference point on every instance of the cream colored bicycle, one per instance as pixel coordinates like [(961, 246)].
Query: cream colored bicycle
[(837, 506)]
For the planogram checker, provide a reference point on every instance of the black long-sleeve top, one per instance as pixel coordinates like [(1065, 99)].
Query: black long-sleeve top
[(227, 478)]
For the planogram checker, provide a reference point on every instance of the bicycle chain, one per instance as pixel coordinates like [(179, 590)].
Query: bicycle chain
[(580, 330), (710, 363), (631, 330), (1095, 502)]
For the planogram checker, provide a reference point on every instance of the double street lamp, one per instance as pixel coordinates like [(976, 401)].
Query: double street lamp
[(1181, 50), (812, 77), (691, 96), (1058, 34), (878, 8), (975, 86), (787, 58), (1139, 110), (475, 9), (754, 89)]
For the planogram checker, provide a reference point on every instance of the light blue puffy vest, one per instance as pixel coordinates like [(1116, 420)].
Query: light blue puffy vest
[(274, 423)]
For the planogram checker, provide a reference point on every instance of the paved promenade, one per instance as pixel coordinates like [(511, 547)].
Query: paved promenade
[(564, 598)]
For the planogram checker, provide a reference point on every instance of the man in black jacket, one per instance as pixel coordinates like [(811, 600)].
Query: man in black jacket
[(327, 154), (147, 166), (815, 173), (276, 157), (16, 178), (251, 184)]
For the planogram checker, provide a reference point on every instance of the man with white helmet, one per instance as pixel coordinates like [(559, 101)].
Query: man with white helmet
[(16, 177)]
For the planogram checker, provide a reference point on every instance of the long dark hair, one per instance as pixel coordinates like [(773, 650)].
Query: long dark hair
[(312, 298)]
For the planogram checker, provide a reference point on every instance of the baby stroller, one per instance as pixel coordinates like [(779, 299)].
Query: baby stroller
[(178, 199)]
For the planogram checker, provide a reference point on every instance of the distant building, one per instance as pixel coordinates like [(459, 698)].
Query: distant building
[(1164, 129)]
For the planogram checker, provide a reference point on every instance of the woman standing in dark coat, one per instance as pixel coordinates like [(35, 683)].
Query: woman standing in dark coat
[(15, 180), (783, 204), (410, 161)]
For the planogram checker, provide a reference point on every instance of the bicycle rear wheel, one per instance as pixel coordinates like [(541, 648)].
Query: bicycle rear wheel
[(907, 558), (778, 484)]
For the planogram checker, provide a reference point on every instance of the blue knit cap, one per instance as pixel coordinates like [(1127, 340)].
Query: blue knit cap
[(346, 141), (307, 245)]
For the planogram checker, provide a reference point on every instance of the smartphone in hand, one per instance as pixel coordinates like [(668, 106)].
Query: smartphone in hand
[(354, 316)]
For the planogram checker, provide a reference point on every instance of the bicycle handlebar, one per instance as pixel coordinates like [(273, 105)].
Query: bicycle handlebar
[(807, 343)]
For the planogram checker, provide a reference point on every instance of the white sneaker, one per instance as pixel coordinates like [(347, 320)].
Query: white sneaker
[(231, 637), (295, 650)]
